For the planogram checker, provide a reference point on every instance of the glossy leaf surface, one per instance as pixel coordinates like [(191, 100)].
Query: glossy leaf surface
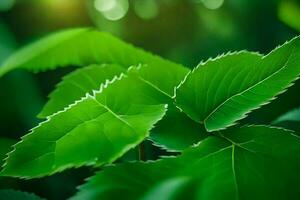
[(77, 84), (222, 91), (97, 130)]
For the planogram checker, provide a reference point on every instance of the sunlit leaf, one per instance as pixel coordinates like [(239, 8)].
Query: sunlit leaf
[(96, 130), (76, 84), (221, 91)]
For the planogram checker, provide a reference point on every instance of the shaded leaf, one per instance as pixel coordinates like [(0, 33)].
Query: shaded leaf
[(289, 120), (5, 147), (176, 131), (222, 91), (17, 195), (293, 115), (254, 162), (82, 47)]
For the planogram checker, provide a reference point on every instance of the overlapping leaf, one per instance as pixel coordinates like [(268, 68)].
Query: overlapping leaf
[(95, 130), (176, 131), (290, 120), (222, 91), (241, 163), (17, 195), (82, 47), (5, 147), (76, 84), (293, 115), (246, 163)]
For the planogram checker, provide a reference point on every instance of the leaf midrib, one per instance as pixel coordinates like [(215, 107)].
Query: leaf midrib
[(233, 145), (55, 141), (251, 87), (113, 113), (155, 87)]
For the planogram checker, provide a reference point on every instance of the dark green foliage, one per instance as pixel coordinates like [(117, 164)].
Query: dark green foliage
[(17, 195)]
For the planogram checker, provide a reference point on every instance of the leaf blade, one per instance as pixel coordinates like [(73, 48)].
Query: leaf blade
[(289, 120), (293, 115), (109, 128), (86, 46), (228, 165), (5, 146), (243, 82), (16, 195), (176, 132), (76, 84)]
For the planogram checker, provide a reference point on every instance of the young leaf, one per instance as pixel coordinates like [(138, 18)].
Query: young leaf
[(224, 90), (5, 147), (95, 130), (76, 84), (245, 163), (289, 120), (17, 195), (82, 47), (293, 115)]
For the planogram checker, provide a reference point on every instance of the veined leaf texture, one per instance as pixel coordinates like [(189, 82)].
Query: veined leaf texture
[(124, 95)]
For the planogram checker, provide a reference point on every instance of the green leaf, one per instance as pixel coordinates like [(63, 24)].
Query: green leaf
[(289, 120), (76, 84), (293, 115), (222, 91), (176, 131), (254, 162), (96, 130), (165, 134), (17, 195), (82, 47), (5, 147)]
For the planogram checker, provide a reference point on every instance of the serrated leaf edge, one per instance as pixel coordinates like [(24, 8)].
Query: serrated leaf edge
[(69, 75), (95, 92), (24, 192), (203, 63)]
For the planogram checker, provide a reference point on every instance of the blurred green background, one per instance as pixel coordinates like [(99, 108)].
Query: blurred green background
[(185, 31)]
